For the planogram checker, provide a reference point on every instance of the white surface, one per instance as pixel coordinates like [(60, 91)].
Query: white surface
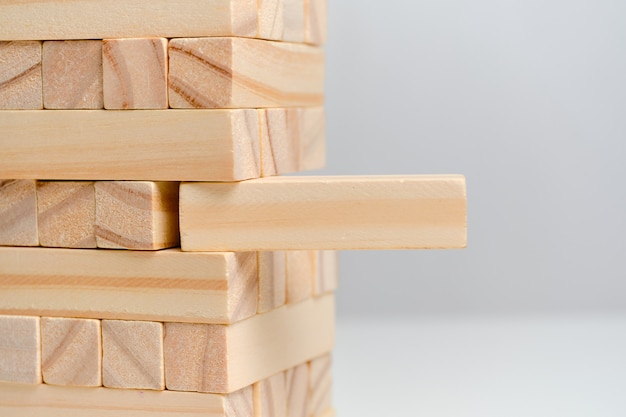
[(483, 367)]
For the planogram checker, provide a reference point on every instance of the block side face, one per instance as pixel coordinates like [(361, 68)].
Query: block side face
[(272, 280), (18, 213), (245, 18), (320, 385), (20, 75), (240, 403), (20, 349), (243, 286), (246, 144)]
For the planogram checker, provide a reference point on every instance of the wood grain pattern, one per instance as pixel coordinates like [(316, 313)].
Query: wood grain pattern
[(22, 400), (320, 385), (301, 273), (20, 349), (327, 276), (370, 212), (157, 145), (297, 383), (294, 17), (132, 355), (239, 72), (72, 75), (270, 396), (315, 25), (20, 75), (271, 20), (66, 214), (223, 359), (272, 280), (169, 285), (139, 215), (71, 351), (18, 212), (240, 403)]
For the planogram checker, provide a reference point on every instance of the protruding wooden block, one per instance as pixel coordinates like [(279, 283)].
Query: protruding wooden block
[(239, 72), (315, 26), (135, 73), (132, 354), (270, 396), (72, 75), (327, 276), (71, 351), (320, 385), (297, 383), (301, 273), (18, 213), (272, 280), (20, 75), (139, 215), (20, 349), (66, 214)]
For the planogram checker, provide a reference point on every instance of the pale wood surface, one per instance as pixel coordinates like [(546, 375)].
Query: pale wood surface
[(132, 355), (71, 352), (320, 385), (18, 212), (301, 274), (239, 72), (272, 280), (22, 400), (139, 215), (72, 75), (313, 139), (168, 285), (369, 212), (159, 145), (297, 383), (294, 17), (222, 359), (270, 396), (327, 276), (271, 20), (66, 214), (20, 349), (240, 403), (20, 75), (135, 73), (315, 25)]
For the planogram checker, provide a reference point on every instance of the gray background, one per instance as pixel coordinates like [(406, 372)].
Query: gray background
[(527, 99)]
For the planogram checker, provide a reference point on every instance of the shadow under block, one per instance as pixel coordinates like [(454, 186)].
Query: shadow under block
[(20, 75), (20, 349), (167, 285), (71, 352), (297, 383), (223, 359), (240, 72), (320, 385), (66, 214), (272, 280), (72, 75), (135, 73), (21, 400), (18, 212), (270, 396), (139, 215), (156, 145), (282, 213)]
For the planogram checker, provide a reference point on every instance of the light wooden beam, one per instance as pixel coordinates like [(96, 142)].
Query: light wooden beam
[(20, 75), (282, 213), (20, 349), (18, 211), (167, 285)]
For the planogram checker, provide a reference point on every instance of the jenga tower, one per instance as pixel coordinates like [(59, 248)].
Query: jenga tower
[(154, 261)]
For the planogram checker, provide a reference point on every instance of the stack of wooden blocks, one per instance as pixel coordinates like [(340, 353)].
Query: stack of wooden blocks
[(161, 129)]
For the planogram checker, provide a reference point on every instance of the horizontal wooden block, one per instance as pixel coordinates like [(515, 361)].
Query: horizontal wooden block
[(20, 75), (167, 285), (21, 400), (223, 359), (240, 72), (20, 349), (155, 145), (282, 213), (18, 212)]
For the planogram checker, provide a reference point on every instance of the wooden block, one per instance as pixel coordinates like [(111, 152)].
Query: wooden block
[(94, 19), (292, 140), (301, 273), (222, 359), (328, 413), (132, 355), (20, 75), (320, 385), (139, 215), (272, 280), (20, 400), (239, 72), (270, 396), (156, 145), (315, 25), (240, 403), (294, 16), (169, 285), (135, 73), (71, 351), (369, 212), (20, 349), (271, 20), (66, 214), (18, 212), (72, 75), (297, 382), (327, 276)]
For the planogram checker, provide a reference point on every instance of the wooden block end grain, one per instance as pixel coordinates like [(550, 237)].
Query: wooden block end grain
[(20, 75), (20, 349), (18, 213)]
